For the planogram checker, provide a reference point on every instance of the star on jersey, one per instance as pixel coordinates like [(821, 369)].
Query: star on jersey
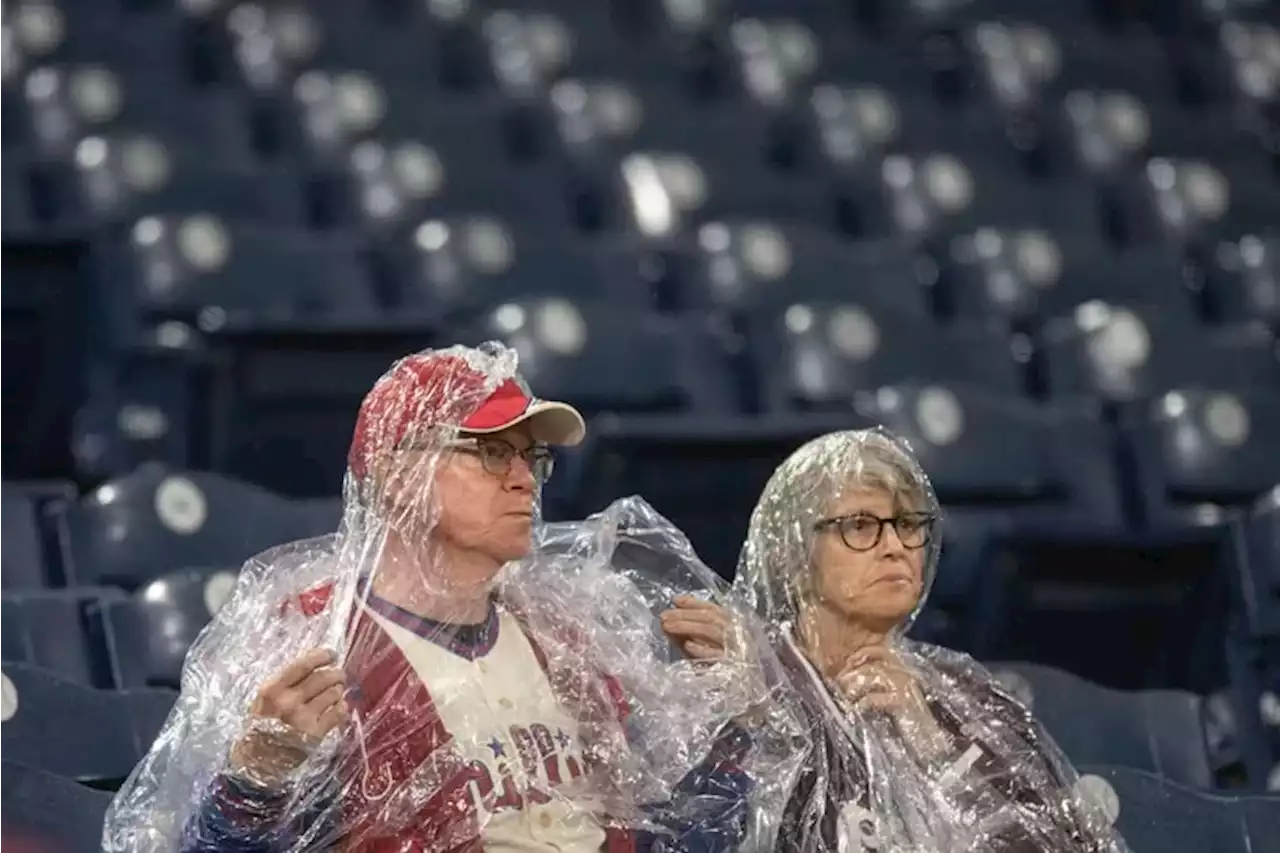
[(499, 751), (563, 738)]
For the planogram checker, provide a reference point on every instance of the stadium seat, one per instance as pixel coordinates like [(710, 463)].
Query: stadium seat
[(58, 631), (44, 725), (816, 355), (116, 179), (152, 630), (1159, 731), (1155, 814), (1243, 280), (453, 269), (755, 265), (1029, 276), (1254, 561), (1191, 202), (46, 813), (203, 270), (1124, 352), (156, 521), (1196, 448), (1047, 467), (34, 542)]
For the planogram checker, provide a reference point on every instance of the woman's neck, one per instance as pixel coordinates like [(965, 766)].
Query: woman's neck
[(830, 638)]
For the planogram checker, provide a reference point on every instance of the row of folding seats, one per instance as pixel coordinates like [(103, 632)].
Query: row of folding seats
[(449, 269), (133, 529)]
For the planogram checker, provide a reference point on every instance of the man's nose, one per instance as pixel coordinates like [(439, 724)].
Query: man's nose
[(890, 542), (520, 477)]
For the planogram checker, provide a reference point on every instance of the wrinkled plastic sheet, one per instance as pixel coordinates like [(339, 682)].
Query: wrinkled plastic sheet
[(562, 719), (915, 747)]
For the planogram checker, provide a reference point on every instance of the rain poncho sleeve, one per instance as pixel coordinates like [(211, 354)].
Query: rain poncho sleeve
[(982, 776), (564, 720)]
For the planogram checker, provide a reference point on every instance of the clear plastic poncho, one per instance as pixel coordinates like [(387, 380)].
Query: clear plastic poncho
[(535, 709), (916, 747)]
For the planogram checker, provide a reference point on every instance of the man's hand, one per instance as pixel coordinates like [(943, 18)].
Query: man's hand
[(700, 628), (290, 715)]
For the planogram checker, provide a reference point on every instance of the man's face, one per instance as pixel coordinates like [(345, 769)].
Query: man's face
[(484, 509)]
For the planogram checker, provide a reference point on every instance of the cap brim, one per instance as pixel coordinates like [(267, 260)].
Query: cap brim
[(549, 423)]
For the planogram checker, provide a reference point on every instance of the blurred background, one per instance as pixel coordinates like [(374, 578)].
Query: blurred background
[(1036, 237)]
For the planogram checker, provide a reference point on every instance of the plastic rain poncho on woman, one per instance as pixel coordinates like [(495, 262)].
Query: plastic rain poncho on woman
[(386, 689), (917, 748)]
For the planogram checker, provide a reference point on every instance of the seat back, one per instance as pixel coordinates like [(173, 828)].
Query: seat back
[(49, 813), (58, 630)]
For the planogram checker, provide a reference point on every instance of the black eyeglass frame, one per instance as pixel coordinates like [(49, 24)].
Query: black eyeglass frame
[(840, 523)]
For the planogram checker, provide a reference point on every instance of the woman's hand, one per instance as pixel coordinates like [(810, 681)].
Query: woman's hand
[(700, 628), (875, 680)]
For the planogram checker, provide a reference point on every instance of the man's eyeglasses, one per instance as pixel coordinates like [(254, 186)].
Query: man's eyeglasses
[(497, 455), (863, 531)]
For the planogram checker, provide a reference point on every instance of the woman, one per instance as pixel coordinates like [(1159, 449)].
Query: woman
[(916, 747)]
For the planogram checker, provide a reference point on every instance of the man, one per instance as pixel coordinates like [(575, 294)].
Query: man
[(458, 728)]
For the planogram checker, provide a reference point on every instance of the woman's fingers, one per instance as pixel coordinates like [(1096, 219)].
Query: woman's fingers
[(692, 629)]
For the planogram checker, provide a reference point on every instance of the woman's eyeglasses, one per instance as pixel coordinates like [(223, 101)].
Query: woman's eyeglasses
[(863, 531)]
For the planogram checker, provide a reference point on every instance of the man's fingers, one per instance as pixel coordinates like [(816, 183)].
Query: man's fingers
[(690, 602), (319, 681), (702, 651), (694, 630), (297, 671)]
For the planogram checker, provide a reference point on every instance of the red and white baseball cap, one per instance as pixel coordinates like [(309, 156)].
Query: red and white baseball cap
[(440, 388)]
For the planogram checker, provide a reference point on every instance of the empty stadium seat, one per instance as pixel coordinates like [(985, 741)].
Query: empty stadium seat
[(1243, 279), (45, 725), (1120, 353), (156, 521), (1197, 448), (1031, 275), (453, 269), (48, 813), (1156, 814), (1159, 731), (816, 355), (1047, 467), (746, 265), (34, 544), (203, 270), (59, 631), (152, 630), (1254, 560)]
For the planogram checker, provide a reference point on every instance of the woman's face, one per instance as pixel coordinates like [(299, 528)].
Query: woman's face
[(881, 584)]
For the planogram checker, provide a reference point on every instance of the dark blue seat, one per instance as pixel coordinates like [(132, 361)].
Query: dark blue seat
[(1049, 467), (203, 268), (1199, 447), (1029, 275), (1243, 280), (816, 355), (59, 631), (1159, 731), (34, 542), (1254, 559), (116, 179), (156, 521), (153, 629), (1192, 202), (1155, 814), (450, 270), (577, 350), (49, 813), (45, 725), (746, 265), (1122, 353)]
